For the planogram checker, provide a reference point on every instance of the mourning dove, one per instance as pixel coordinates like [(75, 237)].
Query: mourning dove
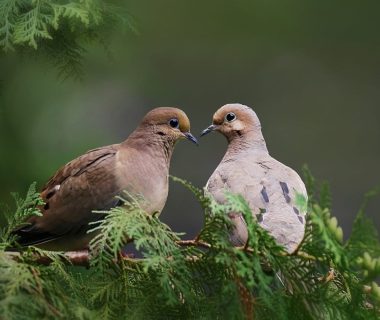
[(269, 187), (139, 166)]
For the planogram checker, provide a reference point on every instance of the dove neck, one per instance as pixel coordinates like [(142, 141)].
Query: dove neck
[(247, 141), (151, 144)]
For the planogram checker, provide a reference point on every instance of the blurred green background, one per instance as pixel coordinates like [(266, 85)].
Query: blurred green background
[(310, 69)]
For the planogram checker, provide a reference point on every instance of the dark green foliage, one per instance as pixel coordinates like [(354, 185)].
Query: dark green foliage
[(59, 29), (24, 208), (206, 278)]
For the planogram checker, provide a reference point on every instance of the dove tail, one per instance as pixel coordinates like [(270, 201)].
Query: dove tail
[(29, 236)]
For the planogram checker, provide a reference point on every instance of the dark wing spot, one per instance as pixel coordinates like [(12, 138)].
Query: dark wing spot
[(119, 203), (300, 219), (262, 210), (284, 187), (50, 193), (46, 206), (296, 211), (285, 191), (259, 217), (264, 166), (264, 194)]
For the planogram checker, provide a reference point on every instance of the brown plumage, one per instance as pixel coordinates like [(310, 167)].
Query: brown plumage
[(139, 166)]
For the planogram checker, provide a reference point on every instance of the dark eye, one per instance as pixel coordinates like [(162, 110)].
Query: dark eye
[(230, 116), (174, 123)]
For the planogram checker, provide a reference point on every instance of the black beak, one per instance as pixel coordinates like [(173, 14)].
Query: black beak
[(208, 130), (190, 137)]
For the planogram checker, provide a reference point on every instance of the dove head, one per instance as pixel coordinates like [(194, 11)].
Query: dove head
[(167, 124), (240, 125), (235, 120)]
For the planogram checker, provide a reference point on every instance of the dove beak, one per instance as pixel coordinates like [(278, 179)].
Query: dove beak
[(190, 137), (208, 130)]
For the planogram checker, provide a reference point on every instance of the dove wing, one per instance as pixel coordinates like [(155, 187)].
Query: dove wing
[(270, 189), (84, 184)]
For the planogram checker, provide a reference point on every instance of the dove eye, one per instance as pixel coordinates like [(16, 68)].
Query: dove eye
[(174, 123), (230, 117)]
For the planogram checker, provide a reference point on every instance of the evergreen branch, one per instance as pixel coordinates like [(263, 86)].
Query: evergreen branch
[(195, 243), (75, 258), (8, 11), (33, 24), (201, 278), (59, 29), (82, 258)]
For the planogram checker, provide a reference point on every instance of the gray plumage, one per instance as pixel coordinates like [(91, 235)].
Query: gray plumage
[(269, 186)]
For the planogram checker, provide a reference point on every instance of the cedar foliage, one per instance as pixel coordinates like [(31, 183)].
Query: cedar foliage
[(59, 30), (326, 278)]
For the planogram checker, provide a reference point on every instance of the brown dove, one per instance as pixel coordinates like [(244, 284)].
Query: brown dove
[(269, 187), (138, 166)]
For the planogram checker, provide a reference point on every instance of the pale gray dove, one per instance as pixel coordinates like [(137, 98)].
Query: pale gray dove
[(269, 187), (139, 166)]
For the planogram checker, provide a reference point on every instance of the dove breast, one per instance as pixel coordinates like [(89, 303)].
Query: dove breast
[(270, 188)]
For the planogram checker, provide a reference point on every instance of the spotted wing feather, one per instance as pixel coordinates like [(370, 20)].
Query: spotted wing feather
[(270, 189)]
